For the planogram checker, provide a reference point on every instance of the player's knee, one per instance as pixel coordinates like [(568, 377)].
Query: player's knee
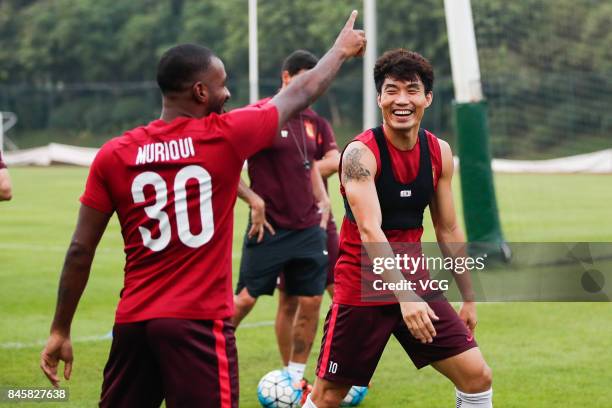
[(310, 304), (481, 380), (5, 193), (288, 305), (244, 300), (249, 302), (487, 378)]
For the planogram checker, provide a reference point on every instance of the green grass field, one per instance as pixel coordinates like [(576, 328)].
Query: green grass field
[(542, 354)]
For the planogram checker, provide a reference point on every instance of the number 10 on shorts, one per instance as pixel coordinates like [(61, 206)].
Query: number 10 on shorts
[(333, 367)]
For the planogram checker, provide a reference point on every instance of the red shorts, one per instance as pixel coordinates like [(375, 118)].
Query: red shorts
[(354, 338), (185, 362)]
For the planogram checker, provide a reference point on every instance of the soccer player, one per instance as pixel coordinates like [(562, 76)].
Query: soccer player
[(6, 189), (327, 158), (389, 175), (287, 226), (173, 185)]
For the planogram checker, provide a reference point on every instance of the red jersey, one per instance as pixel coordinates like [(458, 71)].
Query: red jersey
[(405, 165), (174, 186)]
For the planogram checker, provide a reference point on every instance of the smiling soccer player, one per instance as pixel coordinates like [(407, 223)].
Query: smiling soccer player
[(173, 185), (389, 175)]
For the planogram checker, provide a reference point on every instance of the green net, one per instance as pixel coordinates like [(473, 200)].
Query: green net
[(546, 68)]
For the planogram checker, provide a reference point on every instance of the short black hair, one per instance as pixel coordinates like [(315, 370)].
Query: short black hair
[(179, 66), (299, 60), (404, 65)]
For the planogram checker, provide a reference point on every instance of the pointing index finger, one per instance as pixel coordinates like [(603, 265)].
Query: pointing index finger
[(351, 20)]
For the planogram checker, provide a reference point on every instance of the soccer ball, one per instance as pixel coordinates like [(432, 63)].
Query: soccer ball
[(275, 391), (354, 397)]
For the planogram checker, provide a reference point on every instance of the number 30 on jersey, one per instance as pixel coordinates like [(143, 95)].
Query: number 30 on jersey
[(156, 210)]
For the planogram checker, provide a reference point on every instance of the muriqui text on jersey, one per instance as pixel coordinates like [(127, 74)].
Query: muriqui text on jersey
[(165, 151)]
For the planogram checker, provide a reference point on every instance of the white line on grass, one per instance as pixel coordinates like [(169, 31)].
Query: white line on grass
[(55, 248), (48, 248), (257, 324), (108, 336)]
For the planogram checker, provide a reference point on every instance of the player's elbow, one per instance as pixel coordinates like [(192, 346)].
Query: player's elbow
[(369, 232), (293, 99), (328, 171), (79, 251), (325, 169), (449, 233)]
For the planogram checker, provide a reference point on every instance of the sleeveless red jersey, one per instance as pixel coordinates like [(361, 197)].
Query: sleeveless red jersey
[(173, 187), (405, 165)]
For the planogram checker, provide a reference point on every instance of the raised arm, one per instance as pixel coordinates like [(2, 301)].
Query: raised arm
[(306, 88), (358, 173), (75, 273), (449, 235)]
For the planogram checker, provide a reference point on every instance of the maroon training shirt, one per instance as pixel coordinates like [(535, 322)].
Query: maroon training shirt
[(278, 174)]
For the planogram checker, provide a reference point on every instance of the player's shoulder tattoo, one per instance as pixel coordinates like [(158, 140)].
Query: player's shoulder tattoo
[(352, 168)]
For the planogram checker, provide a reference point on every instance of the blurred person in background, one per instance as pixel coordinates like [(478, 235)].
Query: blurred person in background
[(287, 243), (6, 188)]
